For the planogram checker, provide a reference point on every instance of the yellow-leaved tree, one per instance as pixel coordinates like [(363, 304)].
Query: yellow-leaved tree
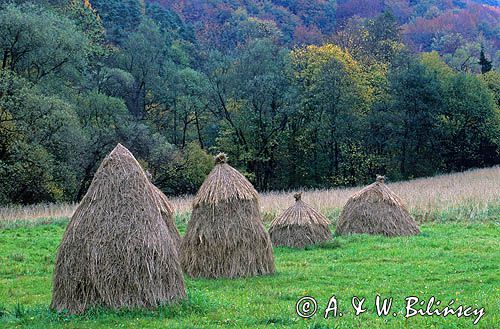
[(335, 95)]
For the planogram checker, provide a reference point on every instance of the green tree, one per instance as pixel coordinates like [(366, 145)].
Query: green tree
[(40, 140), (484, 62), (180, 171), (405, 127), (170, 22), (37, 43), (189, 108), (469, 121), (241, 28), (87, 20), (249, 95), (105, 121), (333, 92), (144, 56), (471, 124), (120, 17), (371, 41), (492, 80), (383, 39)]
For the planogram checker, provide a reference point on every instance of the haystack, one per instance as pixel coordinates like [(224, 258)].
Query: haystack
[(376, 210), (299, 226), (117, 251), (225, 236)]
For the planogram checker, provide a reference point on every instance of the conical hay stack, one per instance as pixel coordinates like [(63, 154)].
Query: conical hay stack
[(225, 236), (376, 210), (117, 251), (167, 212), (299, 226)]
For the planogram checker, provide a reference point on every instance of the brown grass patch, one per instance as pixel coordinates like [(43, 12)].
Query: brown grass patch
[(424, 196)]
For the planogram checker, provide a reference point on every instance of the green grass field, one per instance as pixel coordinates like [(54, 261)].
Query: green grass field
[(459, 261)]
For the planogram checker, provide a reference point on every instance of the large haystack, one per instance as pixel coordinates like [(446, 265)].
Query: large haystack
[(299, 226), (117, 251), (376, 210), (225, 236)]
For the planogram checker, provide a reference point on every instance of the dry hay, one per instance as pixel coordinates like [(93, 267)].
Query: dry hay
[(299, 226), (167, 213), (376, 210), (225, 236), (117, 251)]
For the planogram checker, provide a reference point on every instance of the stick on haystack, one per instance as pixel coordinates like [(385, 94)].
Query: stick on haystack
[(376, 210), (299, 226), (225, 236), (117, 251)]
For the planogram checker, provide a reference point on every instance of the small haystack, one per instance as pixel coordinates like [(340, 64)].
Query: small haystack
[(299, 226), (225, 236), (117, 250), (376, 210)]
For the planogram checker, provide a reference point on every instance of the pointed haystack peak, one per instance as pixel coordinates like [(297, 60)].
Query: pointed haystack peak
[(380, 179), (220, 158), (121, 150)]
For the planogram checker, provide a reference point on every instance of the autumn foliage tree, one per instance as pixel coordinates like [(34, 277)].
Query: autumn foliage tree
[(298, 93)]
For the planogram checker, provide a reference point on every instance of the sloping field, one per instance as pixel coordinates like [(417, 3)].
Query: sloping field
[(454, 259), (471, 192)]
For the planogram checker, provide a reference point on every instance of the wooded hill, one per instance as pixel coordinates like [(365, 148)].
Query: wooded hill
[(315, 99)]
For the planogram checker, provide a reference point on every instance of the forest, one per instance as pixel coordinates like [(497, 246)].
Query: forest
[(312, 94)]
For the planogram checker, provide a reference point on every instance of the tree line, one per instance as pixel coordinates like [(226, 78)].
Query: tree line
[(76, 79)]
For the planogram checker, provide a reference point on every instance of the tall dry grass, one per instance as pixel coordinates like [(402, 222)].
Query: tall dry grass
[(475, 189), (45, 210)]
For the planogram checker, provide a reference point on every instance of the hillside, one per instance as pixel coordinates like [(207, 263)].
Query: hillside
[(427, 25), (297, 94)]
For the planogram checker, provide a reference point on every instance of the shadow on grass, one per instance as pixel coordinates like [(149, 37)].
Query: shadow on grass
[(196, 303), (331, 244), (26, 223)]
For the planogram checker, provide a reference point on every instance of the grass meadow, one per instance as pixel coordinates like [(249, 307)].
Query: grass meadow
[(457, 256)]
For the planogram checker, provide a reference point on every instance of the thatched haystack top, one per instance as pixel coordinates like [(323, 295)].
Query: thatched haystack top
[(223, 184), (123, 163), (376, 210), (299, 226), (379, 191), (300, 214)]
